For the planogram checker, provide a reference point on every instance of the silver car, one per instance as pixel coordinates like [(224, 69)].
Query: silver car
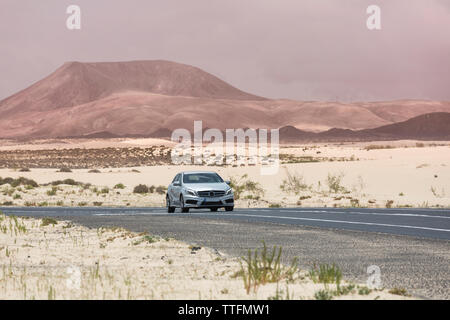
[(199, 189)]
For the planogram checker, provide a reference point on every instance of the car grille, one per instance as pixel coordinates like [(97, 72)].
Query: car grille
[(211, 194), (212, 203)]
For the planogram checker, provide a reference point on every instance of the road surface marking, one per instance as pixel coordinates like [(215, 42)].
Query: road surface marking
[(328, 220)]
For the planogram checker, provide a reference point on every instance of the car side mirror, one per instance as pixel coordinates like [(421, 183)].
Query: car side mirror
[(228, 182), (177, 184)]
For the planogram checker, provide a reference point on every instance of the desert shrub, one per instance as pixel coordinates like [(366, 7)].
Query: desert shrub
[(161, 190), (354, 203), (436, 193), (24, 170), (69, 182), (378, 147), (8, 203), (105, 190), (389, 203), (64, 169), (19, 181), (364, 291), (142, 188), (420, 145), (334, 182), (265, 267), (295, 183), (151, 189), (94, 171), (326, 274), (52, 192), (323, 295), (244, 185), (97, 203), (119, 186), (48, 221), (399, 292)]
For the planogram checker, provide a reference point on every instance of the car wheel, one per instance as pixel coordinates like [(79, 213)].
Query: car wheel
[(229, 208), (170, 209), (183, 209), (213, 209)]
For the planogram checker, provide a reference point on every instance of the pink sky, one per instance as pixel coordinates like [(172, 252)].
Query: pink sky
[(304, 50)]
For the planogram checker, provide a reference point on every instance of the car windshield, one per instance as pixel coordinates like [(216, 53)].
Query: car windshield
[(202, 178)]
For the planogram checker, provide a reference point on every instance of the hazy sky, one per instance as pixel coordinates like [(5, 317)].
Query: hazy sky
[(296, 49)]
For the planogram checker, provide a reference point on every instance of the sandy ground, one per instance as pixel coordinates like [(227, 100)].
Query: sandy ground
[(401, 174), (82, 143), (67, 261)]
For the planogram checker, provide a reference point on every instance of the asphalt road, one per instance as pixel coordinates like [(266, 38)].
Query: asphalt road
[(425, 223), (411, 246)]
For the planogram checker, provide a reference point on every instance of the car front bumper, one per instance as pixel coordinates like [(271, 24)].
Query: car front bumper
[(208, 202)]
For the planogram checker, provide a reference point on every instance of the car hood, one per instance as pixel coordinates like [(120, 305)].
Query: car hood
[(222, 186)]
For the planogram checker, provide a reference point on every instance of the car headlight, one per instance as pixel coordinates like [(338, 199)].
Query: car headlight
[(191, 192), (229, 191)]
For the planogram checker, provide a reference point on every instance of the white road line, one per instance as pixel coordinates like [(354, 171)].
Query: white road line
[(332, 221), (372, 213), (132, 214), (360, 213)]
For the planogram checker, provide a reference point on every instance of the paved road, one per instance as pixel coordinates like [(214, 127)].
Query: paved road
[(426, 223), (411, 246)]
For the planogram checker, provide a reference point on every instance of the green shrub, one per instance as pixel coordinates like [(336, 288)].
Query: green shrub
[(265, 267), (48, 221), (326, 274), (119, 186), (323, 295), (52, 192)]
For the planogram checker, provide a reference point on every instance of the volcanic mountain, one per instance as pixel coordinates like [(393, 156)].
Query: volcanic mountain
[(145, 98)]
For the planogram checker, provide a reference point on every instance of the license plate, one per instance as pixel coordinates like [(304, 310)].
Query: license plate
[(211, 199)]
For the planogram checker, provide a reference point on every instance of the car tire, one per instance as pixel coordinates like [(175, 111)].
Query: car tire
[(183, 209), (229, 208), (213, 209), (170, 209)]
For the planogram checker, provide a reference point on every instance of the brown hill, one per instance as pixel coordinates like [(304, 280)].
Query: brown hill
[(432, 126), (142, 98), (78, 83)]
